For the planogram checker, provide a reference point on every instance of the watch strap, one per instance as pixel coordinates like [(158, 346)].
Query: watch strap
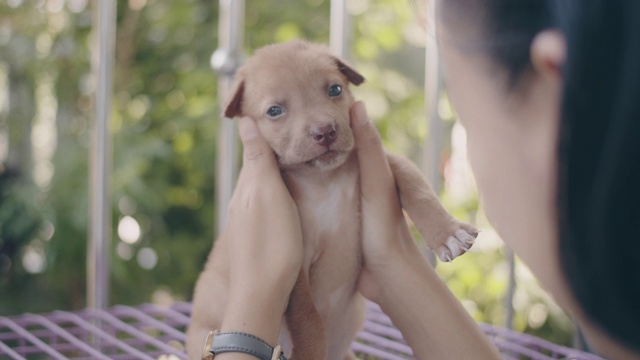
[(243, 343)]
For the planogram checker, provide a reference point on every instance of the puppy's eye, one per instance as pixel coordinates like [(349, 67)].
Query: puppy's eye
[(275, 111), (335, 90)]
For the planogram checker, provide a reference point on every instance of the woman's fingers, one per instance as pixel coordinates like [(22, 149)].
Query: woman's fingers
[(375, 174), (259, 171), (263, 219), (257, 154)]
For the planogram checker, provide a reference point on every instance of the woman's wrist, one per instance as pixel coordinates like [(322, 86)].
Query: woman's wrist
[(415, 298), (257, 310), (257, 299), (257, 313)]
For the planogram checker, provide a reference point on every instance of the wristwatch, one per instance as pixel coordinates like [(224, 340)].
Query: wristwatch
[(219, 343)]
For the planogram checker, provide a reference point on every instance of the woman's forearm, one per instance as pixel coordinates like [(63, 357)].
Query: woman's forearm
[(266, 248), (431, 319)]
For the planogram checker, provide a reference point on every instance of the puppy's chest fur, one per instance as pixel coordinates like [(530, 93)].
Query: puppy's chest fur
[(329, 209)]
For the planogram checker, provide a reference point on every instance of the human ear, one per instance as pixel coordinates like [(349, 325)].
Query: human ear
[(540, 105), (548, 53)]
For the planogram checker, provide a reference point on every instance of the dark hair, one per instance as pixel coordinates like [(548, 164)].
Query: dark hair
[(598, 193)]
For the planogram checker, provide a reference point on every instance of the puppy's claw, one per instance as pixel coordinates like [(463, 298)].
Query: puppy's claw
[(444, 255), (456, 247), (465, 237), (457, 244)]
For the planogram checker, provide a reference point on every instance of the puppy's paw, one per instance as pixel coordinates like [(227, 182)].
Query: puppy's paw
[(458, 243)]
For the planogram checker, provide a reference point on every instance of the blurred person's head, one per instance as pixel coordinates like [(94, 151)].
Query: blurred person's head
[(549, 92)]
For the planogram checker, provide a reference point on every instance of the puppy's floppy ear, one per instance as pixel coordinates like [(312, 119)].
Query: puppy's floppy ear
[(353, 76), (233, 107)]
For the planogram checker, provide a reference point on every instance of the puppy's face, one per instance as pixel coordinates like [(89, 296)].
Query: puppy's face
[(298, 94)]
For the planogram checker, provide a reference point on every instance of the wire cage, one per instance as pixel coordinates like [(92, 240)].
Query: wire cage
[(154, 332)]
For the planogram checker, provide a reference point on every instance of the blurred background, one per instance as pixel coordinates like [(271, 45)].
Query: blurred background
[(165, 121)]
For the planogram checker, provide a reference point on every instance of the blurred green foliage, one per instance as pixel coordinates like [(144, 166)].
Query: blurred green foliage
[(164, 125)]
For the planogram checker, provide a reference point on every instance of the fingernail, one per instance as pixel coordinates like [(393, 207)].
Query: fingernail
[(361, 113), (248, 129)]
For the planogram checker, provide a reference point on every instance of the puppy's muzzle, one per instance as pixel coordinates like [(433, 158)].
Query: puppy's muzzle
[(325, 135)]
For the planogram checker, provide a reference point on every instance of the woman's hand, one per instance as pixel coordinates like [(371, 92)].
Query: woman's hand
[(264, 241), (396, 275), (385, 233)]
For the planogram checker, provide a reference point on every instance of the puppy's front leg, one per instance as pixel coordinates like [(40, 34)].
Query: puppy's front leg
[(446, 236), (304, 322)]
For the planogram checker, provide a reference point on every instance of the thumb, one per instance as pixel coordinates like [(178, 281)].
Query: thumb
[(257, 152), (375, 174)]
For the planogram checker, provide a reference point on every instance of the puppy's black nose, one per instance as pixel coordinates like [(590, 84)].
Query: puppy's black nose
[(325, 135)]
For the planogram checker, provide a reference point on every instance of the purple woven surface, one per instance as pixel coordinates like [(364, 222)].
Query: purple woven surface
[(153, 332)]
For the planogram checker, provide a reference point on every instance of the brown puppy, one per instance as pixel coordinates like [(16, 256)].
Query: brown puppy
[(298, 94)]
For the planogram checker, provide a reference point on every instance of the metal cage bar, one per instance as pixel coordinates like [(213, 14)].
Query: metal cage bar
[(339, 27), (98, 252), (225, 61), (432, 90)]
